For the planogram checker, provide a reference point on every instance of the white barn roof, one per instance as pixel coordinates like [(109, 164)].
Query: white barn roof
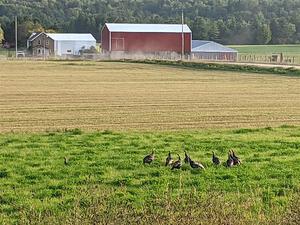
[(64, 36), (71, 37), (147, 28), (209, 46)]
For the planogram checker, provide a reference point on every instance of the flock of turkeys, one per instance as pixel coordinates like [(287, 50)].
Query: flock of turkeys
[(232, 160)]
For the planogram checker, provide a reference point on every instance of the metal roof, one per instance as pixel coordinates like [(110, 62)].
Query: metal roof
[(71, 37), (209, 46), (64, 36), (147, 28)]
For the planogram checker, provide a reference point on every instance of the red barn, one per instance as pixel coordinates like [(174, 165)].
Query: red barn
[(146, 38)]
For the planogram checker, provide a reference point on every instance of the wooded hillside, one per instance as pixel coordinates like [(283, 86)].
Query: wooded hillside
[(226, 21)]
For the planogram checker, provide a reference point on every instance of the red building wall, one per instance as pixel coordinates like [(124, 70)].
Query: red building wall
[(146, 42), (105, 39)]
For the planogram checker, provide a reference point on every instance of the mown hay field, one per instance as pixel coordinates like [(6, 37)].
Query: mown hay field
[(38, 96)]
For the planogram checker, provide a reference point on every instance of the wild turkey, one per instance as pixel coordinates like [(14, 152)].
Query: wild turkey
[(186, 158), (169, 159), (149, 158), (215, 159), (177, 164), (66, 161), (196, 165), (229, 162), (236, 160)]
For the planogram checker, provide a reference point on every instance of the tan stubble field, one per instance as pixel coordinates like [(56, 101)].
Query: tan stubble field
[(39, 96)]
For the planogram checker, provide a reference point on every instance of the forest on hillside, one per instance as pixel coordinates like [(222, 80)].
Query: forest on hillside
[(225, 21)]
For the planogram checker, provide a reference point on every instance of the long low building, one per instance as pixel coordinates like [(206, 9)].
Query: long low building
[(210, 50), (146, 38), (59, 44)]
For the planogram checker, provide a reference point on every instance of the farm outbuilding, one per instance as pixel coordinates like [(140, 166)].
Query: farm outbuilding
[(146, 38), (59, 44), (210, 50)]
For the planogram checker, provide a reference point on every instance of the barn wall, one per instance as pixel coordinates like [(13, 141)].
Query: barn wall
[(105, 39), (72, 47), (149, 42)]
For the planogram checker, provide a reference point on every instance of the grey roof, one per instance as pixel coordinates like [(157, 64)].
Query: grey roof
[(147, 28), (64, 36), (209, 46), (33, 36)]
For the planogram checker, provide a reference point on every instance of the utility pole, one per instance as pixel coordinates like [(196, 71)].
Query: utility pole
[(44, 46), (16, 35), (182, 35)]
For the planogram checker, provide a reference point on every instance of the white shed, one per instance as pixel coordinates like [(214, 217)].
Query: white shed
[(209, 50), (71, 44)]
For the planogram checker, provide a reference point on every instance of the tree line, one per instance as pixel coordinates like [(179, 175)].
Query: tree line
[(225, 21)]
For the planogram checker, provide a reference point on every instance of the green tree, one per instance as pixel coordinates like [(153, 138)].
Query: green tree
[(227, 21), (214, 32), (263, 34), (26, 28), (200, 28), (283, 31)]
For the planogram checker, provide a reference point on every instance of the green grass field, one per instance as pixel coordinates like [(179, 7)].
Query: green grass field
[(3, 53), (106, 168), (106, 116), (263, 53), (7, 53), (268, 49)]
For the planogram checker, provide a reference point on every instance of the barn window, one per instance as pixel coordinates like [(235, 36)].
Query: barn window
[(47, 42), (39, 42)]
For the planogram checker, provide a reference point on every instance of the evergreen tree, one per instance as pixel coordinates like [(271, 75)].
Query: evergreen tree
[(263, 34)]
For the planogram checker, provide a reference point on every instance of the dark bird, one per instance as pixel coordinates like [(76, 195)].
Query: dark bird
[(149, 158), (229, 162), (177, 164), (169, 159), (186, 158), (196, 165), (236, 160), (215, 159), (66, 160)]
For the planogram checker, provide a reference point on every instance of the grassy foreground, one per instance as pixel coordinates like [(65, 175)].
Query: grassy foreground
[(105, 182)]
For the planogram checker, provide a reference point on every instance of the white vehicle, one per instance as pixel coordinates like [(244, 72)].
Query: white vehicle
[(20, 54)]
